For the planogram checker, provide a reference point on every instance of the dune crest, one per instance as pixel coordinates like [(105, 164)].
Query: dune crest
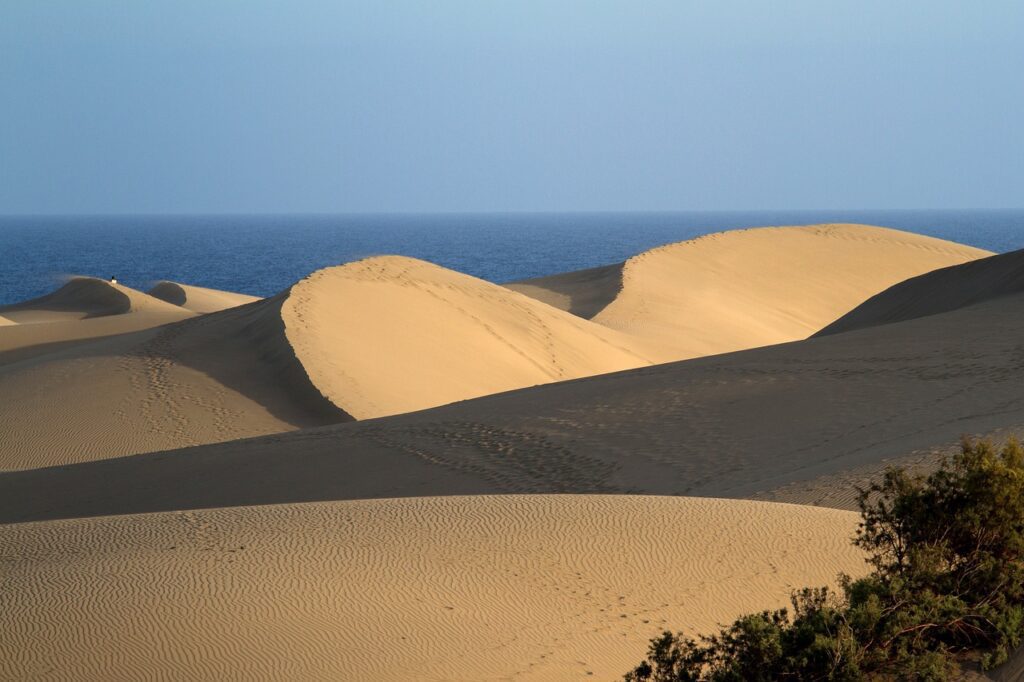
[(392, 334), (198, 299), (458, 588)]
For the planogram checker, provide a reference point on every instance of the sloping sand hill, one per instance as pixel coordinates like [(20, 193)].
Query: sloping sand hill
[(207, 379), (81, 298), (198, 299), (84, 308), (747, 288), (735, 425), (468, 588), (937, 292), (391, 334)]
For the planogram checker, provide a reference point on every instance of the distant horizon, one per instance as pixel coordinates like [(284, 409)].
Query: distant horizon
[(504, 212)]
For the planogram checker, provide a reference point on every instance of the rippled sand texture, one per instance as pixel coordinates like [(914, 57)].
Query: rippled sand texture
[(472, 588)]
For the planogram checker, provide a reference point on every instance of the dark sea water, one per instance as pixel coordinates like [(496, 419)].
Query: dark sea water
[(262, 255)]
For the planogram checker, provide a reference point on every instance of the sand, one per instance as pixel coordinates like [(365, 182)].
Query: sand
[(390, 334), (81, 298), (481, 588), (582, 292), (198, 299), (206, 379), (747, 288), (135, 450), (937, 292), (84, 308), (735, 425), (385, 336)]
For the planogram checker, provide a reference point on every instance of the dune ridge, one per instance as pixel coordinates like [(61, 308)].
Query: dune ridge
[(198, 299), (483, 588)]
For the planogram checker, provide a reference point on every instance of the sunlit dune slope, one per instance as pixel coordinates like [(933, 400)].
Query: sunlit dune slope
[(456, 588), (207, 379), (392, 334), (812, 418), (198, 299), (938, 292), (5, 322), (747, 288)]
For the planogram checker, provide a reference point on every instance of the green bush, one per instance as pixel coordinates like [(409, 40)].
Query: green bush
[(946, 588)]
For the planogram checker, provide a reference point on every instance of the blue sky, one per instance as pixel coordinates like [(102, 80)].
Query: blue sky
[(309, 106)]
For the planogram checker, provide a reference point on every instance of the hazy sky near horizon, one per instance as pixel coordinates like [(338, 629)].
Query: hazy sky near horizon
[(190, 106)]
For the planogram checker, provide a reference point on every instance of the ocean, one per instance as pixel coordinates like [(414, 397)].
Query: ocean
[(264, 254)]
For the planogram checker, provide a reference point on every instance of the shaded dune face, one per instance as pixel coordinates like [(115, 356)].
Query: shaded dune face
[(937, 292), (172, 292), (583, 293), (198, 299), (452, 588)]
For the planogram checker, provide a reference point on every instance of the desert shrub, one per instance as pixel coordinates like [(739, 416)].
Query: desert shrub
[(946, 587)]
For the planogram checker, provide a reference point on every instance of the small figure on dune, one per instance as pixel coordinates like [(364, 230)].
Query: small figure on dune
[(113, 279)]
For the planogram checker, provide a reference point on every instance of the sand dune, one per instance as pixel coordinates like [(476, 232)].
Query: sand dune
[(751, 423), (938, 292), (81, 298), (198, 299), (366, 339), (458, 588), (84, 308), (531, 587), (747, 288), (391, 334), (212, 378)]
